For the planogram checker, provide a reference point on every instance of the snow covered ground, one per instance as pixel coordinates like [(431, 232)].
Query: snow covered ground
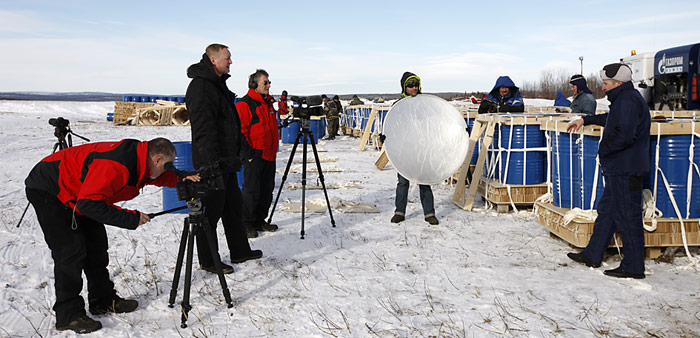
[(477, 274)]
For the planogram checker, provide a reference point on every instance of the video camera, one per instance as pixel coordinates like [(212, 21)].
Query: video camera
[(59, 122), (492, 106), (307, 106), (211, 179)]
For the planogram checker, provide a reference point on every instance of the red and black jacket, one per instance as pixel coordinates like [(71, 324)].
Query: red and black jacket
[(259, 123), (283, 108), (90, 178)]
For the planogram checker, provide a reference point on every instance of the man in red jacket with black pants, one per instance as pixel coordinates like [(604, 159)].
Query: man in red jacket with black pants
[(73, 192), (259, 125)]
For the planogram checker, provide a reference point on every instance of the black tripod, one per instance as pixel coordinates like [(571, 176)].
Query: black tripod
[(195, 223), (62, 132), (304, 133)]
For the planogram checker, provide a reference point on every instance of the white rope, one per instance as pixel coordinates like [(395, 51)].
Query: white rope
[(658, 171), (594, 193), (556, 134), (650, 211), (691, 160), (571, 168)]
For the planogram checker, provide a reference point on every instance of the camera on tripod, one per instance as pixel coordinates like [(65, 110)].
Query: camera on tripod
[(306, 106), (211, 179), (59, 122)]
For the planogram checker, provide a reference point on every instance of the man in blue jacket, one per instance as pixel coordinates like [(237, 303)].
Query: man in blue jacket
[(624, 159), (503, 98), (583, 102)]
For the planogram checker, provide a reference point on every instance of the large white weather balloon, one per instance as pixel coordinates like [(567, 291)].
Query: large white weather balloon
[(426, 138)]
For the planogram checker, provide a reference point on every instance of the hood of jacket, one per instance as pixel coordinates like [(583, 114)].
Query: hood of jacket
[(406, 76), (504, 81), (205, 69)]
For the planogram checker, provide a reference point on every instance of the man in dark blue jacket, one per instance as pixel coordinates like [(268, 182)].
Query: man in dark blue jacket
[(624, 159), (505, 97)]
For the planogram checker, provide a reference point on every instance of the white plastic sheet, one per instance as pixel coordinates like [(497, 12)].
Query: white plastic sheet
[(426, 138)]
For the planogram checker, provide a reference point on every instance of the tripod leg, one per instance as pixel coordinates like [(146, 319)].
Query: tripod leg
[(284, 177), (178, 265), (23, 213), (186, 307), (217, 261), (320, 176), (303, 186)]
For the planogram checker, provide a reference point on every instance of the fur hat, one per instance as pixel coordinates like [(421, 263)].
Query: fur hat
[(616, 71)]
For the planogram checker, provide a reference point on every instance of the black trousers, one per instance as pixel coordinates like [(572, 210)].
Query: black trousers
[(76, 247), (258, 186), (225, 205)]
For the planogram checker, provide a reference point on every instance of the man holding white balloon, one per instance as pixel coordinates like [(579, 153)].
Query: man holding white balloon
[(410, 87), (425, 139)]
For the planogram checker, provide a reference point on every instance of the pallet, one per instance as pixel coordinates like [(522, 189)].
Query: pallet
[(577, 233), (498, 194)]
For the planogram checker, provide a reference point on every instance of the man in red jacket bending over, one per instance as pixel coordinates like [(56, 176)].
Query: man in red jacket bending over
[(73, 192), (259, 125)]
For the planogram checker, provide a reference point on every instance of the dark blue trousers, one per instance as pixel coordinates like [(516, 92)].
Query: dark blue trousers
[(620, 208), (426, 198)]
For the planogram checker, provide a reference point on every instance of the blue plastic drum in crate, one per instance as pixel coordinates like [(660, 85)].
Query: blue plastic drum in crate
[(183, 161), (564, 149), (589, 152), (522, 167), (475, 155), (674, 162)]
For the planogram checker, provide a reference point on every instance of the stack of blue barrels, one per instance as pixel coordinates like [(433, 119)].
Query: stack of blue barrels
[(135, 98), (316, 126)]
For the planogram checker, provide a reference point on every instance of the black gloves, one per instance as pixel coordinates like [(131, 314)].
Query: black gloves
[(382, 137)]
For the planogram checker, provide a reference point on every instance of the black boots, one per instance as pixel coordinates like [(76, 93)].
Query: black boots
[(81, 324), (581, 258), (115, 305)]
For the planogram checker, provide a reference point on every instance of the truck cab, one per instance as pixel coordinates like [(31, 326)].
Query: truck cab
[(676, 78)]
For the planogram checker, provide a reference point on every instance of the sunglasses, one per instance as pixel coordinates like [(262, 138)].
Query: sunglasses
[(411, 85), (267, 83)]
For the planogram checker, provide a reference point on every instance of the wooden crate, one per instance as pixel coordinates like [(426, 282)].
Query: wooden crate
[(498, 193), (124, 111), (578, 233)]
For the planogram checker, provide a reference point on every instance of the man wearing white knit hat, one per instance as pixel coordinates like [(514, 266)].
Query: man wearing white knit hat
[(624, 160)]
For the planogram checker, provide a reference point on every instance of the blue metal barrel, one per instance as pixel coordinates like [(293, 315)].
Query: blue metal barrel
[(564, 150), (183, 161), (289, 133), (584, 176), (530, 163), (475, 155), (674, 154)]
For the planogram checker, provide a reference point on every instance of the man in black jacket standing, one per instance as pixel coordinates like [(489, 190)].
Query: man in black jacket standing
[(624, 159), (217, 138)]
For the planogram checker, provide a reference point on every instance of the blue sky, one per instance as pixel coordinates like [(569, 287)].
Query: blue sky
[(314, 47)]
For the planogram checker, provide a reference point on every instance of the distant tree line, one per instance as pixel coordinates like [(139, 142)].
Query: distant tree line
[(557, 80)]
